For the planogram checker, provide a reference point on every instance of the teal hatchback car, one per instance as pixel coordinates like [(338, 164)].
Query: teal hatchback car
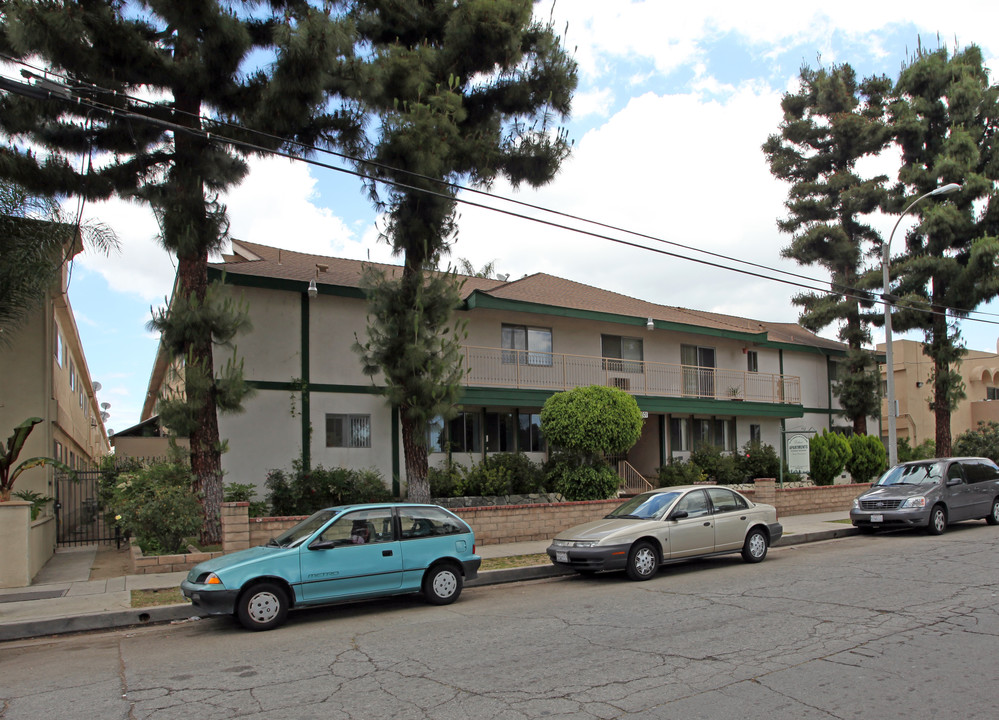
[(337, 554)]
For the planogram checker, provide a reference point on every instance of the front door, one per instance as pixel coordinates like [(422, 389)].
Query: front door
[(365, 558)]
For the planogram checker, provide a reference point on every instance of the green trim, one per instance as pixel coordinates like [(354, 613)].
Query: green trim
[(478, 299), (316, 387), (306, 395), (273, 283)]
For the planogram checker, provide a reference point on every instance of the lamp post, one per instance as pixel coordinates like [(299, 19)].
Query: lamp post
[(888, 299)]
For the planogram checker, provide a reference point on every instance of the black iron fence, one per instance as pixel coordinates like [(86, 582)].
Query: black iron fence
[(82, 517)]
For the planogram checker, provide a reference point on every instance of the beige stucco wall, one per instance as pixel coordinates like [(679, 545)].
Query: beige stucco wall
[(15, 559)]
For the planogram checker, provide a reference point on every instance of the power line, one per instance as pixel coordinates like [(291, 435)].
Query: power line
[(50, 90)]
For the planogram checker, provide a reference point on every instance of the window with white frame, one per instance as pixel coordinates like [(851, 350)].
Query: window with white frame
[(755, 433), (348, 431), (526, 345), (752, 361), (679, 434), (991, 393)]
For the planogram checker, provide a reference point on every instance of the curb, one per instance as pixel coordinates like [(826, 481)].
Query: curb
[(174, 613)]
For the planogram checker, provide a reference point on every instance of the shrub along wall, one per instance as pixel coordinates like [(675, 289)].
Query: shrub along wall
[(541, 521)]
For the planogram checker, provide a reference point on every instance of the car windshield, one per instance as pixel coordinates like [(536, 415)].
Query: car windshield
[(305, 529), (918, 474), (646, 506)]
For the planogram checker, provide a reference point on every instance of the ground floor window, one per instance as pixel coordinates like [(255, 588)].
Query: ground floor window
[(496, 431), (348, 431), (755, 433), (688, 433), (529, 432)]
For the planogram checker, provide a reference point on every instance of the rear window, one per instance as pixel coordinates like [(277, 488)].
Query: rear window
[(421, 522), (978, 471)]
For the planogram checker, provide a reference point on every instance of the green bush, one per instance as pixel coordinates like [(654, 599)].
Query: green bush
[(827, 456), (444, 482), (302, 493), (759, 460), (923, 451), (243, 492), (983, 441), (868, 458), (155, 506), (565, 474), (592, 421), (723, 469), (680, 472)]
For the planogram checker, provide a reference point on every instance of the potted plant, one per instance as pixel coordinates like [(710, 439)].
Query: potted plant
[(734, 392)]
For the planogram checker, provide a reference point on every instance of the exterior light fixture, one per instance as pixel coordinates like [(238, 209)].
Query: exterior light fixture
[(650, 325), (313, 290), (888, 300)]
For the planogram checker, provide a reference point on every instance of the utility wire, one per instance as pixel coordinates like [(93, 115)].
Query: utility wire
[(847, 292)]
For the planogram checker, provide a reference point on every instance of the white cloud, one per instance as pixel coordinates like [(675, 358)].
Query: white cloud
[(594, 103), (675, 167)]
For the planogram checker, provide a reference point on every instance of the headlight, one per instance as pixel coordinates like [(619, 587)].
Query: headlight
[(856, 503), (574, 543), (914, 502), (209, 579)]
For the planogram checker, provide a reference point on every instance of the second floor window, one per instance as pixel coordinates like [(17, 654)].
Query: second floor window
[(622, 354), (992, 393), (752, 361), (527, 345)]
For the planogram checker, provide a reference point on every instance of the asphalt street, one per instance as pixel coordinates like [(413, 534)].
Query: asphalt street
[(895, 625)]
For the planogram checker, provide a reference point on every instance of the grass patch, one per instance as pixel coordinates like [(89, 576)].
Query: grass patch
[(152, 598), (845, 521), (514, 561)]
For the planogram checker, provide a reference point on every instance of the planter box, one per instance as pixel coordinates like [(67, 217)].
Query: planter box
[(147, 565)]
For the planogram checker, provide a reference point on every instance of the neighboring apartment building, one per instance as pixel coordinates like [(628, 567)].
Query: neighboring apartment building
[(697, 376), (43, 373), (913, 391)]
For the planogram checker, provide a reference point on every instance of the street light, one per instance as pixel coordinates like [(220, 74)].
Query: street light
[(888, 299)]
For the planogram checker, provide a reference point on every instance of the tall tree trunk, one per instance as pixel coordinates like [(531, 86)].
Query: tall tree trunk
[(941, 381), (418, 488)]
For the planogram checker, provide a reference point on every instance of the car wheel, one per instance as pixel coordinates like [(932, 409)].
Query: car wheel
[(993, 517), (938, 520), (755, 547), (643, 561), (442, 584), (263, 606)]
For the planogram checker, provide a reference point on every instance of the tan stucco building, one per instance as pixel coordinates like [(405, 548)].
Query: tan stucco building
[(44, 373), (913, 392), (698, 377)]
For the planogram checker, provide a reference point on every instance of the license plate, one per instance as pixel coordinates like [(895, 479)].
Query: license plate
[(877, 518), (561, 556)]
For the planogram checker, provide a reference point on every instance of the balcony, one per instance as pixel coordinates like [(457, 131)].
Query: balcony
[(523, 369)]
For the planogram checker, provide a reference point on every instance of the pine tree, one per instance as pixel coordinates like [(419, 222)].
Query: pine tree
[(945, 115), (462, 92), (829, 125), (190, 61)]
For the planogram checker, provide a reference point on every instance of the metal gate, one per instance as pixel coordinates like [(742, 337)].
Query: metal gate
[(81, 518)]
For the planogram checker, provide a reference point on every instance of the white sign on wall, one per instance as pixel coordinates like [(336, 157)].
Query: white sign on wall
[(797, 454)]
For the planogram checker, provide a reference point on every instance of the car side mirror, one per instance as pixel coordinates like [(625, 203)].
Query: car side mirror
[(951, 482), (323, 545), (678, 514)]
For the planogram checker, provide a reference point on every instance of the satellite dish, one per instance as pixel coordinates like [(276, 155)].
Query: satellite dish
[(105, 405), (97, 386), (105, 416), (110, 432)]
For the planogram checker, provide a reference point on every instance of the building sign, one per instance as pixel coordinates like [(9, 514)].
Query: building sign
[(797, 454)]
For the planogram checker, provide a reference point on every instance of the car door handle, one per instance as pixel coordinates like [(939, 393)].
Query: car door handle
[(707, 524), (743, 517), (386, 553)]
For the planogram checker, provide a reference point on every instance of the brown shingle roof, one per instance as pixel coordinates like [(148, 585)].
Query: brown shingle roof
[(539, 288)]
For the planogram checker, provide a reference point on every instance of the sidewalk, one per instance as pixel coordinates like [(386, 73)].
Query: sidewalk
[(63, 599)]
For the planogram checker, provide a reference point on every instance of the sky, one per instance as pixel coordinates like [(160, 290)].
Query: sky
[(674, 101)]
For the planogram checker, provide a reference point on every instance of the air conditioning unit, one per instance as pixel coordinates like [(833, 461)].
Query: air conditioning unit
[(621, 383)]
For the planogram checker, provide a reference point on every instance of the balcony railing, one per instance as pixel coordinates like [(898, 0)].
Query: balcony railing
[(523, 369)]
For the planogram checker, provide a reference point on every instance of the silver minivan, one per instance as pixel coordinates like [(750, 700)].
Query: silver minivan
[(930, 494)]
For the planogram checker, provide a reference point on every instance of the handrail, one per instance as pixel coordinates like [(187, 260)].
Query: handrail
[(633, 481)]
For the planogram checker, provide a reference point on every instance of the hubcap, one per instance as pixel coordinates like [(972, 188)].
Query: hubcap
[(263, 607), (995, 512), (645, 561), (445, 583), (938, 520), (757, 545)]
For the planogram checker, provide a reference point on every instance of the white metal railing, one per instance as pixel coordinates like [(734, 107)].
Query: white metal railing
[(633, 481), (495, 367)]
